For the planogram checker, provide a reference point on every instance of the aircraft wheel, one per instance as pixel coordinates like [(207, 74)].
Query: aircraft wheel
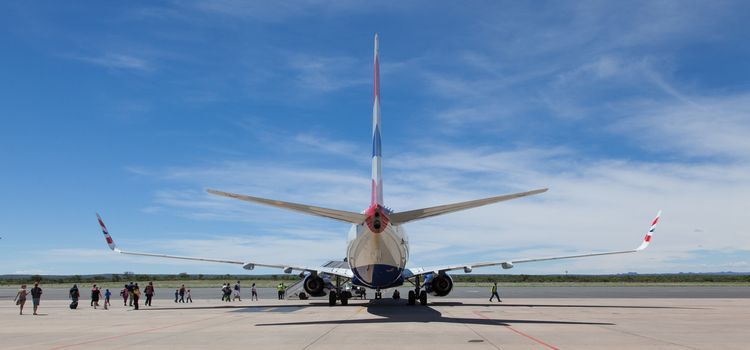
[(423, 298), (332, 298), (344, 300), (412, 298)]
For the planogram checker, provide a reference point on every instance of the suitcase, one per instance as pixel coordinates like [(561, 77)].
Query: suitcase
[(74, 305)]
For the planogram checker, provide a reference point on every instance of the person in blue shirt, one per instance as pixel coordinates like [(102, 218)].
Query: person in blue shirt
[(107, 294)]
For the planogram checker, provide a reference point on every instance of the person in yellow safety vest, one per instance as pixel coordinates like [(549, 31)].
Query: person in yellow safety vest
[(494, 292), (280, 288)]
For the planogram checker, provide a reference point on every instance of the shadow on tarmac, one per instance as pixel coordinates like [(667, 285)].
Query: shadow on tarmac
[(373, 305), (392, 311), (565, 305)]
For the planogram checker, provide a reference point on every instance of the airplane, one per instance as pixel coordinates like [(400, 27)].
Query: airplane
[(378, 247)]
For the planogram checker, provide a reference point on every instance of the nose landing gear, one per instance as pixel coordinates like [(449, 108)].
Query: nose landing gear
[(338, 294)]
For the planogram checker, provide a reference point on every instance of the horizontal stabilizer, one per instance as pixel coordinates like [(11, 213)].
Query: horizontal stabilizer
[(418, 214), (341, 215)]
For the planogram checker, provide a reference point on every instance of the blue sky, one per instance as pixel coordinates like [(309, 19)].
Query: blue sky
[(134, 109)]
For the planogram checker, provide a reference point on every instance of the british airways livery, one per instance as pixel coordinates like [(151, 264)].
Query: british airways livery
[(378, 247)]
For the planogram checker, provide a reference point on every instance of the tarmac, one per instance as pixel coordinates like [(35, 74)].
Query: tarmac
[(606, 292), (445, 323)]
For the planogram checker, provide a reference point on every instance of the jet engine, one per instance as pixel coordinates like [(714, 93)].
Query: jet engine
[(315, 286), (438, 284)]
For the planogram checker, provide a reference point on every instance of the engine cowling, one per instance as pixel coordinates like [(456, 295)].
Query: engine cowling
[(438, 284), (315, 286)]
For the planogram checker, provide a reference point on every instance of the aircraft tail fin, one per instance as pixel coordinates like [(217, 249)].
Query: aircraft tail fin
[(377, 181)]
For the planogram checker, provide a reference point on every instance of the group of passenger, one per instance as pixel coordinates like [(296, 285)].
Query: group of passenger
[(131, 295), (96, 294), (183, 294), (229, 293), (36, 295)]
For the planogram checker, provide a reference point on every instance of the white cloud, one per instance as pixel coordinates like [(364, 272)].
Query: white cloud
[(592, 205), (708, 126)]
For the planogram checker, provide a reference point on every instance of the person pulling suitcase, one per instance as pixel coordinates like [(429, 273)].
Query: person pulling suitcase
[(74, 295)]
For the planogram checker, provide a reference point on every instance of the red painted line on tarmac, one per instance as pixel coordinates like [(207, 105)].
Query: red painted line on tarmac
[(131, 333), (517, 331)]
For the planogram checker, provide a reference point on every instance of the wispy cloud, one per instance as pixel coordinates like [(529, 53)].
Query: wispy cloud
[(116, 61), (709, 126), (326, 74)]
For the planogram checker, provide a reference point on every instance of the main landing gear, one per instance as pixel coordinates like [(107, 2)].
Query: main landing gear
[(417, 293), (343, 295)]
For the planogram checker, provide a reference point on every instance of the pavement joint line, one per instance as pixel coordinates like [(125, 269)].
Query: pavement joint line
[(477, 333), (329, 331), (132, 333), (509, 327), (649, 338)]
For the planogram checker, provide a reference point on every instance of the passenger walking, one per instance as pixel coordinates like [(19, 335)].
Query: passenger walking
[(20, 298), (95, 292), (182, 293), (130, 287), (74, 294), (149, 291), (228, 293), (189, 298), (124, 293), (223, 291), (494, 293), (237, 291), (136, 295), (254, 293), (280, 289), (107, 295), (176, 294), (36, 295)]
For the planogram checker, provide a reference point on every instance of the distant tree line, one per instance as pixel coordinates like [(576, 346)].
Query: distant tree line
[(464, 278), (624, 278)]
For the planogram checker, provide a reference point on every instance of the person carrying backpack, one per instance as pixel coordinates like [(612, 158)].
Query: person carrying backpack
[(149, 291), (136, 295), (36, 295)]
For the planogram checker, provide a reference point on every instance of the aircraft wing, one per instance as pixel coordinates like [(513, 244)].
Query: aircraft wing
[(343, 272), (507, 264)]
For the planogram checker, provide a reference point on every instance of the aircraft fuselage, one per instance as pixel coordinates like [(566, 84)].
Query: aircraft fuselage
[(377, 250)]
